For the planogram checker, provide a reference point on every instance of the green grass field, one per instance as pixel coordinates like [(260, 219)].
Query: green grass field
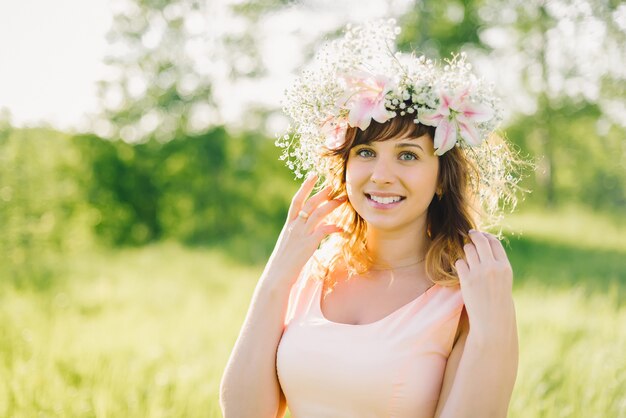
[(147, 332)]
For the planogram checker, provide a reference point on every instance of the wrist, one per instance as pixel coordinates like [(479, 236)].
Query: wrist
[(491, 335), (278, 274)]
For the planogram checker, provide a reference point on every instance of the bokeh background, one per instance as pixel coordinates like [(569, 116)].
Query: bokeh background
[(141, 191)]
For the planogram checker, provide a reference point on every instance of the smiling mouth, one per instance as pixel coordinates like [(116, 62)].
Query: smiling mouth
[(385, 200)]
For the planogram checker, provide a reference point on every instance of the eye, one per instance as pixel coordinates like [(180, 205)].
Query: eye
[(411, 156), (364, 152)]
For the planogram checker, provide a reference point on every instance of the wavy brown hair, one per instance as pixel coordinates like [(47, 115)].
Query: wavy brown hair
[(449, 216)]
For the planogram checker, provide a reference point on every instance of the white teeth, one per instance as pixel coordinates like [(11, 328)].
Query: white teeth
[(385, 200)]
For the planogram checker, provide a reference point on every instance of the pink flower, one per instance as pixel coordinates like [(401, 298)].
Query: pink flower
[(456, 113), (366, 99), (335, 132)]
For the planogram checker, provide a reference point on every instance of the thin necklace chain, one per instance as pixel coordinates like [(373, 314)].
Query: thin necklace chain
[(397, 267)]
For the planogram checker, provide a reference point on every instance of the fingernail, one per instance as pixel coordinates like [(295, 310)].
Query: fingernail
[(471, 231)]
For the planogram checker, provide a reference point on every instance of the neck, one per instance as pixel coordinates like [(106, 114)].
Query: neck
[(397, 266), (396, 249)]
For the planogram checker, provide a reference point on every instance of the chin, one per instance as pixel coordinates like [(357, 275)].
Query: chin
[(383, 224)]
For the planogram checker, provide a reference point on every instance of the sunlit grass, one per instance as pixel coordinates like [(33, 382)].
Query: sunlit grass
[(570, 269), (147, 332), (135, 333), (574, 226), (571, 355)]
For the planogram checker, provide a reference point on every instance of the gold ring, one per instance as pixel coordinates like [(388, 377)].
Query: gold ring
[(303, 215)]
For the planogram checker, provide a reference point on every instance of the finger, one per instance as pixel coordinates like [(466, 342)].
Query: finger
[(482, 245), (314, 201), (325, 230), (323, 211), (462, 269), (496, 248), (301, 195), (471, 255)]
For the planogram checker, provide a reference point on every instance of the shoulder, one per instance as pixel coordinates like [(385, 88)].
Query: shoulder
[(448, 300)]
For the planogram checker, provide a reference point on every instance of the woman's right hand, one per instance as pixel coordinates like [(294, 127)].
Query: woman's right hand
[(301, 234)]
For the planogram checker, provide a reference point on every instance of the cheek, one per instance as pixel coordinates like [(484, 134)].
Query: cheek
[(350, 185), (352, 173), (433, 181), (354, 178), (428, 179)]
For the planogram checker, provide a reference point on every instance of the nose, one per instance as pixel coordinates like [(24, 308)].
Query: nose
[(382, 172)]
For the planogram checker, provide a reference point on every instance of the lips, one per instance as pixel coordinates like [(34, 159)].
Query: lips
[(384, 195)]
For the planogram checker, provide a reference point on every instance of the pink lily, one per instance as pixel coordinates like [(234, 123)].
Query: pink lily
[(456, 113), (366, 99), (335, 132)]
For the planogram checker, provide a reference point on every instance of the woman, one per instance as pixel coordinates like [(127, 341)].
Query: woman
[(405, 309)]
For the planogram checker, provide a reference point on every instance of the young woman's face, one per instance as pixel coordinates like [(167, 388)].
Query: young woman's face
[(391, 183)]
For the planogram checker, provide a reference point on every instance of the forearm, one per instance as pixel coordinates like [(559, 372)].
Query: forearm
[(250, 387), (486, 373)]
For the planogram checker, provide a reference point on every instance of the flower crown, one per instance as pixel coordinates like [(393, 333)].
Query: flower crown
[(361, 77)]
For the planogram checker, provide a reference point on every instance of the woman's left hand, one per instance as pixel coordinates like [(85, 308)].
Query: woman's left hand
[(486, 280)]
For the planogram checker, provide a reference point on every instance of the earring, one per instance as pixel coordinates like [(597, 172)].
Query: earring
[(439, 194)]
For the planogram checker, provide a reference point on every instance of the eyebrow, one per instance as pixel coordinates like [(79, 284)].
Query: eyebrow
[(406, 144), (401, 144)]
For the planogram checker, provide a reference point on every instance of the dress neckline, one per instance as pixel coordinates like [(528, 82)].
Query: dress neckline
[(318, 306)]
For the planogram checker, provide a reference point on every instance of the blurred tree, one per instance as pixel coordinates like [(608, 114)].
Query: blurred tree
[(42, 209), (122, 189), (166, 57), (160, 70), (177, 173), (591, 168), (436, 28), (560, 56), (200, 189)]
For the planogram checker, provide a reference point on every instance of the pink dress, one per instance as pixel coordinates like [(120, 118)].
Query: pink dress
[(389, 368)]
